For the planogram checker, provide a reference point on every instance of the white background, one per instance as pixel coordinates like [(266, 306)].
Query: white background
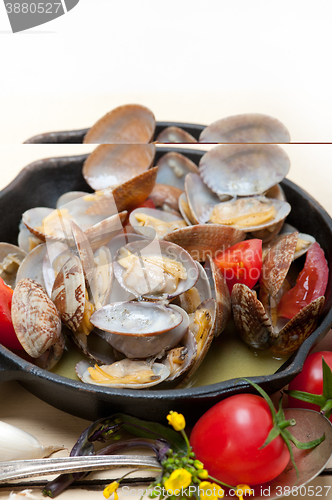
[(188, 60)]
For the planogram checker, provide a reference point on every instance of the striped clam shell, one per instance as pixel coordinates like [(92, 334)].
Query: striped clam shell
[(35, 318)]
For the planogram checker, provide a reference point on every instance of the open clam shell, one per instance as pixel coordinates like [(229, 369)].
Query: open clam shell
[(277, 262), (32, 265), (203, 332), (11, 258), (140, 330), (166, 197), (110, 165), (191, 299), (129, 124), (254, 213), (69, 197), (243, 170), (121, 369), (181, 358), (173, 168), (221, 295), (160, 269), (174, 135), (136, 318), (246, 128), (152, 222), (201, 199), (304, 241), (185, 211)]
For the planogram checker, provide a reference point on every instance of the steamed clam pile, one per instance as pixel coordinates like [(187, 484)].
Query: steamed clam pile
[(127, 272)]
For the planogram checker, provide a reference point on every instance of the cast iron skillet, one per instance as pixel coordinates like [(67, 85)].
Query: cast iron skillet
[(40, 184), (77, 136)]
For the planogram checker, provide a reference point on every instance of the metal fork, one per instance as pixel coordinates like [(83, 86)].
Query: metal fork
[(19, 469)]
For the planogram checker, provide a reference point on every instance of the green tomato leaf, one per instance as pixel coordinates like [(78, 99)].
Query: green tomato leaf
[(315, 399)]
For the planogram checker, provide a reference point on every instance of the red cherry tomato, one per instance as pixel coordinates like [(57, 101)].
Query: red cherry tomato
[(227, 439), (310, 379), (241, 263), (310, 284), (8, 336)]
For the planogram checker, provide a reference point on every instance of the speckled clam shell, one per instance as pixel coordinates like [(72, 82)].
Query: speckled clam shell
[(175, 135), (250, 318), (112, 164), (32, 265), (68, 293), (149, 231), (35, 318), (246, 128), (160, 370), (166, 197), (201, 240), (11, 257), (276, 264), (201, 199), (129, 124), (243, 170), (298, 328), (173, 168), (288, 228), (210, 306), (221, 295), (143, 346), (128, 195), (159, 248)]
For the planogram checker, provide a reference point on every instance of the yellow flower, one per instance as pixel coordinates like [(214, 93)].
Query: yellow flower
[(210, 491), (180, 478), (110, 489), (176, 420), (203, 474), (243, 489)]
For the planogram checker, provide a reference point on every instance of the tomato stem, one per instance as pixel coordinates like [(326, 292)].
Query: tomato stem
[(280, 424), (287, 423), (221, 483)]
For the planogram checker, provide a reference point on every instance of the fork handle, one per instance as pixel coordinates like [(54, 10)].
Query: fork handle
[(19, 469)]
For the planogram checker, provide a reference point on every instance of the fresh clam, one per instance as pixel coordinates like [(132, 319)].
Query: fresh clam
[(141, 329), (173, 135), (173, 168), (246, 128), (155, 269), (129, 124), (110, 165), (37, 322), (241, 170), (122, 374), (11, 258), (152, 222)]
